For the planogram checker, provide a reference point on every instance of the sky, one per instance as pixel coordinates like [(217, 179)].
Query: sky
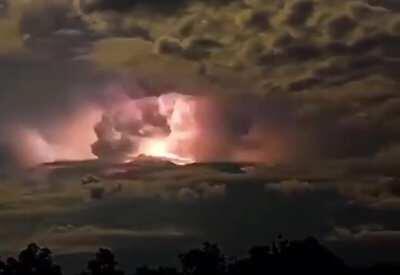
[(285, 114)]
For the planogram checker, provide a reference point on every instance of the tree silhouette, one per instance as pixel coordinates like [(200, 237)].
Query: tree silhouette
[(33, 260), (281, 257), (144, 270), (307, 256), (103, 264), (208, 260)]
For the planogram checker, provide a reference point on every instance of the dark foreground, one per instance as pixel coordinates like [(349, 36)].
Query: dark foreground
[(281, 257)]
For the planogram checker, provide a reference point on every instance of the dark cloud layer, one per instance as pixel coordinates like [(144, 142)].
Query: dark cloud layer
[(125, 5), (166, 7)]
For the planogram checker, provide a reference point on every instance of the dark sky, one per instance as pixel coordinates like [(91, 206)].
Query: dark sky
[(309, 88)]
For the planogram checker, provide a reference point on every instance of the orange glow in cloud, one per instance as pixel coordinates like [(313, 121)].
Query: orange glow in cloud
[(159, 147), (69, 140), (181, 128)]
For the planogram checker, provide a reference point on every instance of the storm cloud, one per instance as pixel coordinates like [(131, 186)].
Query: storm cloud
[(297, 101)]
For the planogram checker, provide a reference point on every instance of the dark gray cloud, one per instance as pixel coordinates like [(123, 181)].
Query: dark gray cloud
[(3, 7), (389, 4), (126, 5), (298, 12), (165, 7)]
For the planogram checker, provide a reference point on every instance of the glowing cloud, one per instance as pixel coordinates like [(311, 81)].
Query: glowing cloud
[(181, 128), (69, 139)]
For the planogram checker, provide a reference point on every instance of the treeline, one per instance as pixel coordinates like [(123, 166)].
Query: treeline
[(281, 257)]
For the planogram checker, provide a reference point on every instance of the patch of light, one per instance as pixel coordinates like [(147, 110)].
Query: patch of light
[(159, 148)]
